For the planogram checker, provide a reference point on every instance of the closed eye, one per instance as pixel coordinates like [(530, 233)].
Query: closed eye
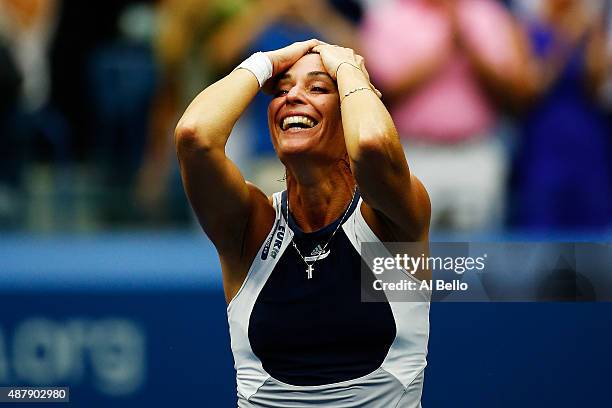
[(318, 89)]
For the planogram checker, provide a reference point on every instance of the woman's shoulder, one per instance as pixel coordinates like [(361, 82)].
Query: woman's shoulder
[(261, 219), (262, 215), (259, 197)]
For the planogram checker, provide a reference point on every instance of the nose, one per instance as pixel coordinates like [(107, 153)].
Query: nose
[(295, 95)]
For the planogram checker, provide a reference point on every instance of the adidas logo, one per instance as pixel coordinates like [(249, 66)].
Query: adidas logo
[(317, 253), (317, 250)]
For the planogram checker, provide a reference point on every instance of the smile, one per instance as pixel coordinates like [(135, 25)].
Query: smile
[(297, 122)]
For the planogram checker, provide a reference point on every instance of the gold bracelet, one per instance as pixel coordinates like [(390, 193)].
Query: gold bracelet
[(352, 91), (345, 62)]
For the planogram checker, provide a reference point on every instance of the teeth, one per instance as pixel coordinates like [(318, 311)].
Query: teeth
[(289, 120)]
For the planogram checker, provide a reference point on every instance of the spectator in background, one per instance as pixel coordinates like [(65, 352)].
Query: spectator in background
[(564, 170), (83, 28), (27, 27), (606, 92), (607, 88), (26, 119), (10, 80), (121, 78), (197, 41), (444, 67), (186, 65)]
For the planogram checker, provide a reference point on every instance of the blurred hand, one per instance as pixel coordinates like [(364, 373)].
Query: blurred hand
[(334, 56)]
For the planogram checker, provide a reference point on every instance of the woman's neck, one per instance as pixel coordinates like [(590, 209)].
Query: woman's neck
[(317, 201)]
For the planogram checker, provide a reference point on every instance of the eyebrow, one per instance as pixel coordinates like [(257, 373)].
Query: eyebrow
[(319, 73), (311, 74)]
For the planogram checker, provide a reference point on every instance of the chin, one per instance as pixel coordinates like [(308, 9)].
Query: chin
[(294, 148), (299, 142)]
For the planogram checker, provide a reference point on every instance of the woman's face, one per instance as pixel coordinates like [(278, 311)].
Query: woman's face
[(304, 115)]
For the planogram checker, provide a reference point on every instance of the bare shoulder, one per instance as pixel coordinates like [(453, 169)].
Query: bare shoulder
[(417, 213), (262, 212), (236, 265)]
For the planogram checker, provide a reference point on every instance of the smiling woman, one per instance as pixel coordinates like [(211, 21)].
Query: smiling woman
[(301, 128), (301, 335)]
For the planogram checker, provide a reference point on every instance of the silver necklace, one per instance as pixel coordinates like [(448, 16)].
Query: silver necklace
[(310, 266)]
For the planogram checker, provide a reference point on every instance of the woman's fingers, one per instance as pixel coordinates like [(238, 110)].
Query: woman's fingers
[(304, 47), (319, 47), (331, 55), (310, 44), (376, 91), (363, 68), (295, 51), (283, 58)]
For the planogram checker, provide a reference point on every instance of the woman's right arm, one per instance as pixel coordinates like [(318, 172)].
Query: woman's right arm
[(219, 195), (216, 190)]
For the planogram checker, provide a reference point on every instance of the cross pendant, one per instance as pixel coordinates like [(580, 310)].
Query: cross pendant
[(309, 271)]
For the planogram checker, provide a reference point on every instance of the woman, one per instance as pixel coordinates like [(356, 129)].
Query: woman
[(301, 336)]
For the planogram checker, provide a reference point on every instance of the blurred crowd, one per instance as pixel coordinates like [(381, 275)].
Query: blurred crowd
[(504, 107)]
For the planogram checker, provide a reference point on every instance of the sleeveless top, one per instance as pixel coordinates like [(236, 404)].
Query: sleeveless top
[(301, 342)]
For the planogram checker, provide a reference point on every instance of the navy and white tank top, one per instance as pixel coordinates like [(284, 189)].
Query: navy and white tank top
[(301, 342)]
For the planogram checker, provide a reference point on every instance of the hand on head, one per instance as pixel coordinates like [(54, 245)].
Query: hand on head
[(332, 56), (283, 58)]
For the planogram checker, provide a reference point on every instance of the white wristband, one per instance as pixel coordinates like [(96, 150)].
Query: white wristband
[(260, 65)]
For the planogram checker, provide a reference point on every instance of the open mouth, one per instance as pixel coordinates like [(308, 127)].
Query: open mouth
[(297, 123)]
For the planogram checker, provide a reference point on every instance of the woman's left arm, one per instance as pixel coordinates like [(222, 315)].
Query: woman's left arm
[(393, 195)]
